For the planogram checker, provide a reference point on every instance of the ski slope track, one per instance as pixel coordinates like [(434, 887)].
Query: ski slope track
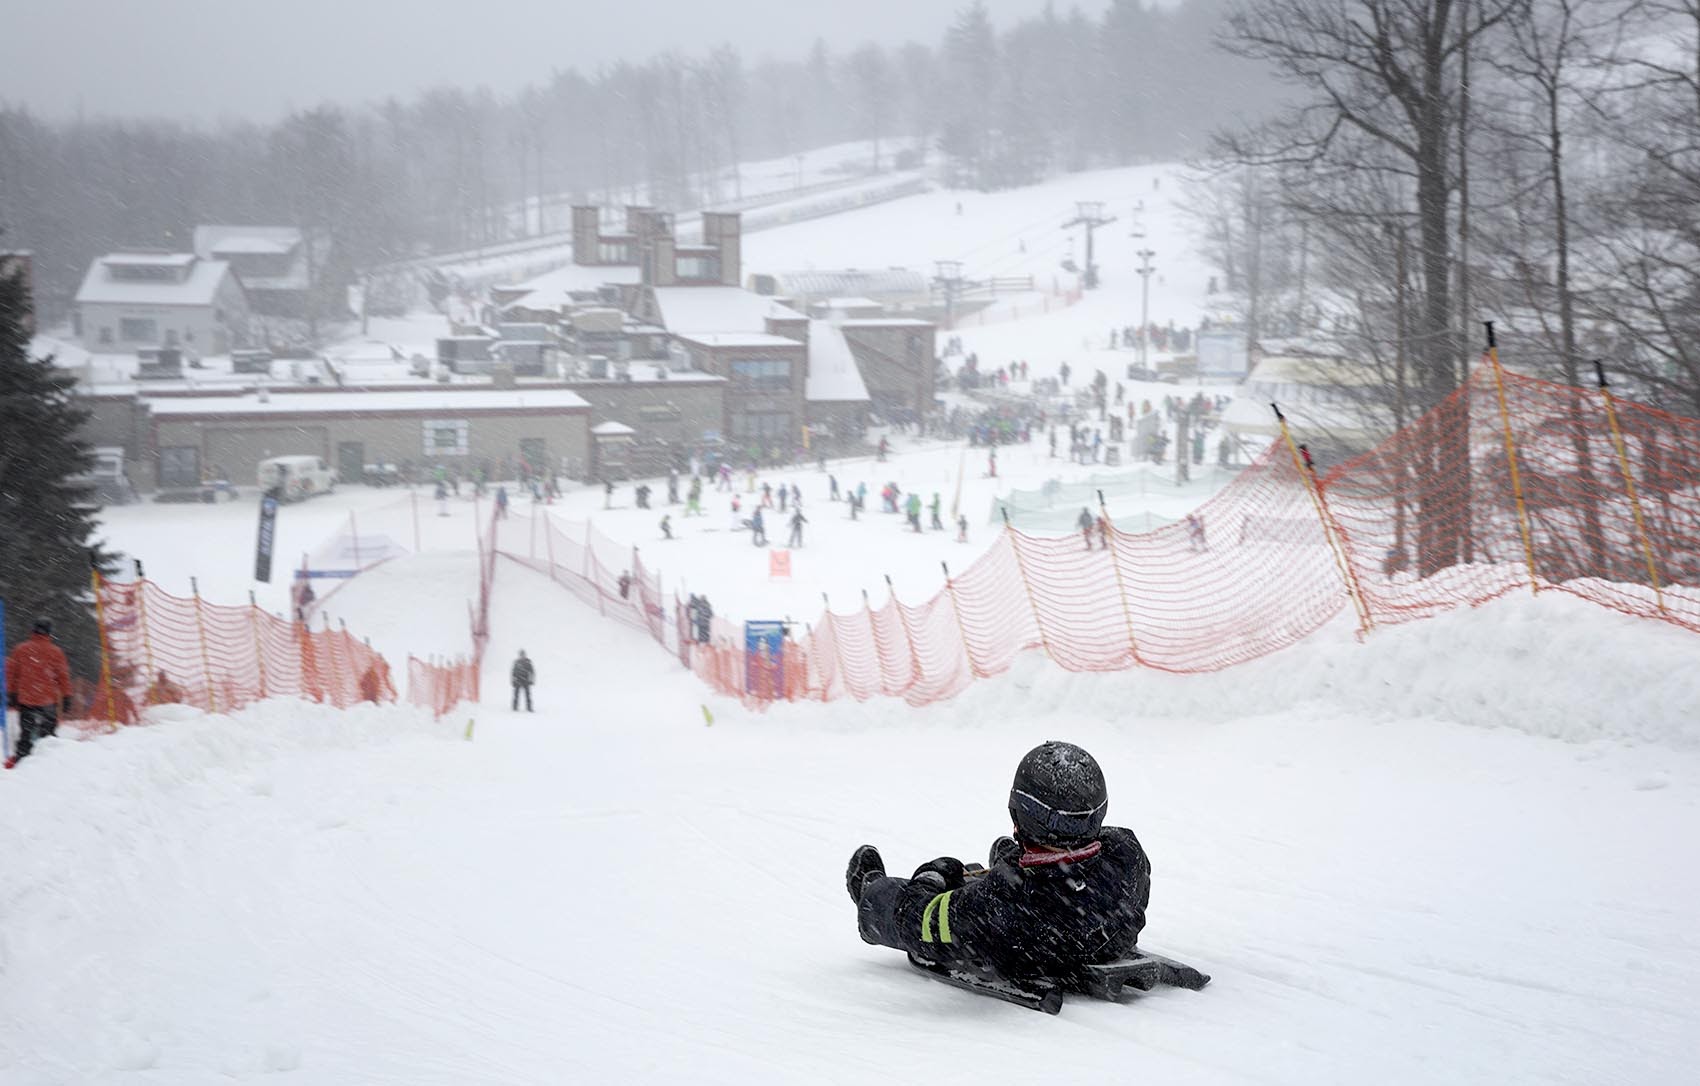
[(1394, 870)]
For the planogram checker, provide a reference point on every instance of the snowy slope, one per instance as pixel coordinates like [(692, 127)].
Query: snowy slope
[(609, 890)]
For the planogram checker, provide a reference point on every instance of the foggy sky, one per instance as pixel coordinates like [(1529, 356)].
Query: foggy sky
[(205, 60)]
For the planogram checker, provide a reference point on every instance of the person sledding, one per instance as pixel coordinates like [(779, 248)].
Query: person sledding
[(1061, 903)]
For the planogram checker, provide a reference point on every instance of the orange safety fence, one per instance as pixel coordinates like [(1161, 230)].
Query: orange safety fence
[(1605, 505), (440, 685), (165, 649)]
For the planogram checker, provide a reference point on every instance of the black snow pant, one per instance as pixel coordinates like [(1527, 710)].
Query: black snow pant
[(34, 722), (524, 688)]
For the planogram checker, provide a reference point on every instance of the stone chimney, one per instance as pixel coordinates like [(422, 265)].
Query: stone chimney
[(724, 231), (587, 235)]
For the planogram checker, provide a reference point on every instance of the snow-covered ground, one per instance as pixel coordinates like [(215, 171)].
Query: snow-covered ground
[(1391, 871), (1464, 850)]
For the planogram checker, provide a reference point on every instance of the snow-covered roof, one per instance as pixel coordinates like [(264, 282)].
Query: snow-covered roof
[(886, 322), (555, 289), (851, 303), (255, 240), (200, 287), (834, 376), (411, 401), (847, 281), (612, 429), (737, 339), (696, 310), (149, 260)]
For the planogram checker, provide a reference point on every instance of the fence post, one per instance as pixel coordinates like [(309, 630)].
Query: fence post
[(549, 543), (837, 646), (908, 634), (1021, 567), (201, 631), (1629, 482), (1511, 460), (1307, 473), (961, 628), (1121, 585), (259, 645), (354, 539), (142, 620), (874, 636), (336, 687), (105, 648)]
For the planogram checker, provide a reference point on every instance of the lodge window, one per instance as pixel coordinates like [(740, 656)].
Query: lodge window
[(698, 267), (762, 373), (761, 424)]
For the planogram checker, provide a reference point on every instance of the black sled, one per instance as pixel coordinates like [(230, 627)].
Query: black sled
[(1141, 973)]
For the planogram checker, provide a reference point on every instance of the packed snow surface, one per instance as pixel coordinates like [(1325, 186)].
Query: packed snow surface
[(1392, 870), (1464, 850)]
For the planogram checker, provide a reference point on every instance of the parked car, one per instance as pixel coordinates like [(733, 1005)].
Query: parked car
[(108, 483), (296, 477)]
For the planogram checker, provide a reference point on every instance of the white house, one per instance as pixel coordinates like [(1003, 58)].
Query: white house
[(132, 300), (272, 263)]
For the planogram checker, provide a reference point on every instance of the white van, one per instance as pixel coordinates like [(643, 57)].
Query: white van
[(296, 477)]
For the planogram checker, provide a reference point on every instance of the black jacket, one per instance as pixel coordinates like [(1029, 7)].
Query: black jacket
[(523, 674), (1023, 921)]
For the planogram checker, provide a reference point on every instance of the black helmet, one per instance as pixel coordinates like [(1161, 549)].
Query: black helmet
[(1059, 796), (44, 626)]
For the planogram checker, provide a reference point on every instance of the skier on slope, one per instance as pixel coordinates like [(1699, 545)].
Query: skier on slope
[(522, 675), (1065, 891)]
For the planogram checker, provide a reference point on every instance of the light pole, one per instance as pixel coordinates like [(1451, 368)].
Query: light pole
[(1145, 271)]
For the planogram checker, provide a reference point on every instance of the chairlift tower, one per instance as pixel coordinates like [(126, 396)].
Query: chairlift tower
[(1089, 214), (947, 277)]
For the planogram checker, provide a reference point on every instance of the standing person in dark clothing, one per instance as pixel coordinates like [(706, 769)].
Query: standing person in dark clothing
[(38, 686), (667, 525), (758, 530), (832, 481), (1086, 522), (1065, 891), (522, 675), (797, 522)]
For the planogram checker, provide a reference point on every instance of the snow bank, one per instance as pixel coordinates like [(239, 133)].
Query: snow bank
[(1551, 665)]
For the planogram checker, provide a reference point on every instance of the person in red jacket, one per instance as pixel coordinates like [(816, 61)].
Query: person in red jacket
[(38, 685)]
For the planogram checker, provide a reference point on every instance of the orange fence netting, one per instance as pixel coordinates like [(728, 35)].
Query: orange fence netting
[(1605, 505), (165, 649)]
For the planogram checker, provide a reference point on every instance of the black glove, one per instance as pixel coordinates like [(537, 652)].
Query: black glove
[(65, 706), (948, 868), (1005, 848), (11, 701)]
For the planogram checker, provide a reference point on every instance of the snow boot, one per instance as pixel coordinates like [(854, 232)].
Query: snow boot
[(11, 762), (865, 863)]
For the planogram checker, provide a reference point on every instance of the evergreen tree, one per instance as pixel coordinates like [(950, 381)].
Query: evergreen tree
[(47, 519)]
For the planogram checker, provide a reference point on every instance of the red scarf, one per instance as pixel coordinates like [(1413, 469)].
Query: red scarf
[(1038, 858)]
